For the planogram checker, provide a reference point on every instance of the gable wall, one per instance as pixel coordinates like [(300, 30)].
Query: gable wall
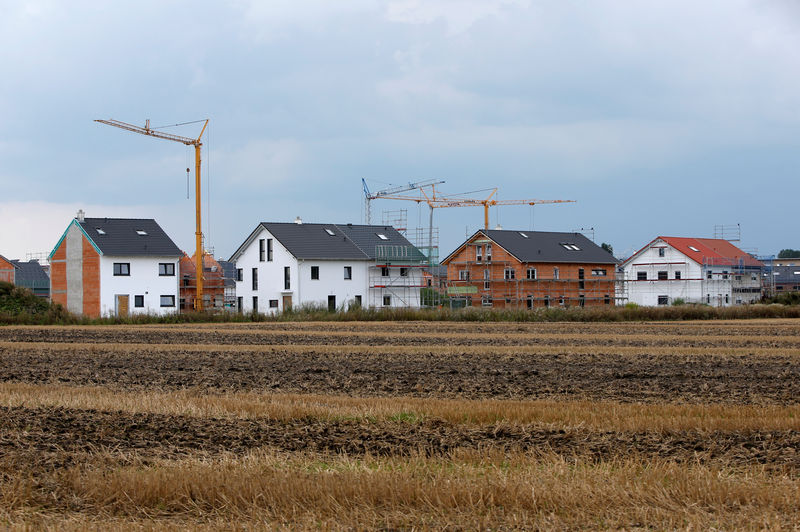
[(6, 271)]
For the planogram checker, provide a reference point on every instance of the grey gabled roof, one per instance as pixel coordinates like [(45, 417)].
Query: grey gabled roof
[(119, 237), (546, 246), (786, 274), (29, 271), (366, 238), (308, 241)]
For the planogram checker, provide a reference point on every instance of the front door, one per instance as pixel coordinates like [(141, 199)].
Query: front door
[(122, 305), (287, 302), (331, 303)]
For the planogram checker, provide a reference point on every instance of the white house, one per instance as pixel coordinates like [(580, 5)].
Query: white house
[(115, 267), (334, 265), (696, 270)]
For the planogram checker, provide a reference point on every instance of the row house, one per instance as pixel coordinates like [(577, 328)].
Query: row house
[(695, 270), (281, 265), (527, 269), (115, 267)]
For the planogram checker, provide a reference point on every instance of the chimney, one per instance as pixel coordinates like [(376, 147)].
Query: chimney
[(81, 215), (298, 221)]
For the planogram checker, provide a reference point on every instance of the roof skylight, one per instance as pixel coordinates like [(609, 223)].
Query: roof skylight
[(570, 246), (382, 236), (694, 249), (99, 231), (330, 232), (523, 234), (141, 232)]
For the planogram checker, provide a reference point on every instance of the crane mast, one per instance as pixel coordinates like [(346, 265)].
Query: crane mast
[(146, 130)]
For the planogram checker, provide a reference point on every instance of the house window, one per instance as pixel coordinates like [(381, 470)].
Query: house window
[(348, 272), (255, 278), (661, 252), (487, 275), (255, 303), (531, 274), (479, 252), (581, 274), (239, 274), (239, 303), (708, 299), (488, 252), (269, 250), (384, 271), (286, 282), (708, 275), (387, 300), (607, 300), (273, 303), (677, 275), (509, 274), (663, 300), (546, 301), (641, 276), (166, 269), (726, 298), (582, 300), (529, 300), (167, 301), (724, 274), (122, 268), (403, 272), (486, 301), (662, 276), (555, 273), (358, 301), (581, 285), (262, 250), (463, 275), (315, 273), (138, 301), (599, 272), (561, 300)]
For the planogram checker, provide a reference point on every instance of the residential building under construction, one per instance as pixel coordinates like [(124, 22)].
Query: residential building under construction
[(528, 269)]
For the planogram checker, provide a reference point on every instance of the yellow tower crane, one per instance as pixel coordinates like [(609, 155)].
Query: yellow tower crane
[(437, 201), (146, 130)]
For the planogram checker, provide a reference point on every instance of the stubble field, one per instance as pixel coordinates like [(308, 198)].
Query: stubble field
[(401, 425)]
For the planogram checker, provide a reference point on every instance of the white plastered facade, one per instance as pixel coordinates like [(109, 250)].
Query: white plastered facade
[(144, 280)]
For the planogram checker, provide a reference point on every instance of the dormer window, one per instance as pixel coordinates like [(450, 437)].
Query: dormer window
[(141, 232), (99, 231), (330, 232), (382, 236)]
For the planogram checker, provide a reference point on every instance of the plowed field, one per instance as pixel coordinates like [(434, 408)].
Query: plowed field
[(83, 406)]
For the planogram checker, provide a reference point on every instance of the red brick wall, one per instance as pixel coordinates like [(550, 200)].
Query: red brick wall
[(58, 275), (6, 271), (91, 279), (514, 293)]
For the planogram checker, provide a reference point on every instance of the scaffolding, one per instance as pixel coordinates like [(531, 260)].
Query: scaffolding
[(396, 278), (492, 282), (397, 219)]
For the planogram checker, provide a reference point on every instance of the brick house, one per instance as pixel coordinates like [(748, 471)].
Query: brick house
[(7, 270), (115, 267), (213, 283), (528, 269)]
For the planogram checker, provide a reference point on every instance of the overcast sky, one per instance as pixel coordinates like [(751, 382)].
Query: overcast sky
[(659, 117)]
